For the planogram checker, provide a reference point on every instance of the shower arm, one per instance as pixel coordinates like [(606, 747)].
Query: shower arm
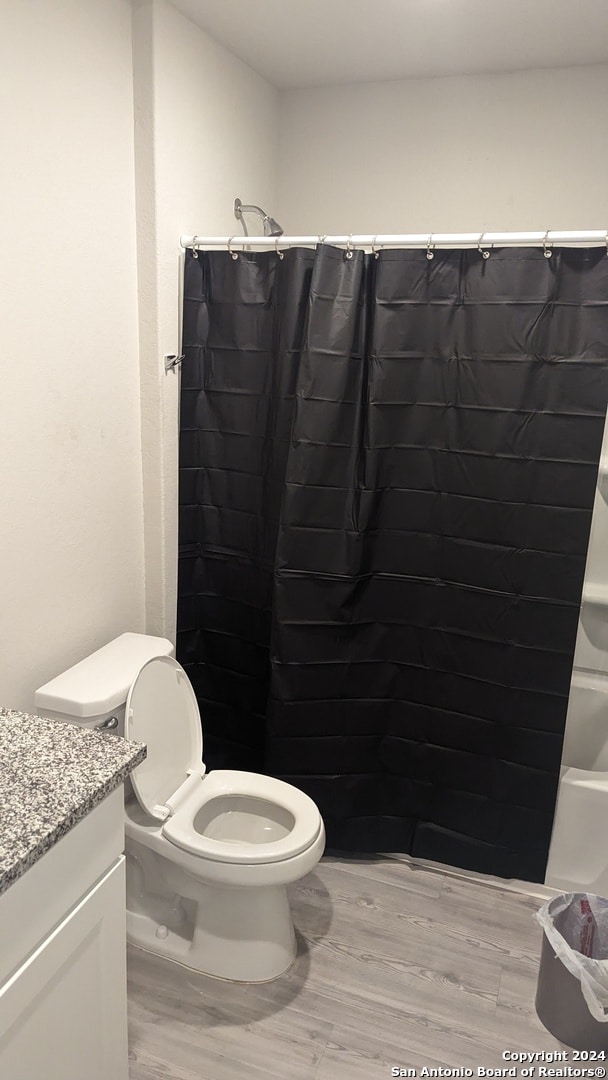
[(271, 227)]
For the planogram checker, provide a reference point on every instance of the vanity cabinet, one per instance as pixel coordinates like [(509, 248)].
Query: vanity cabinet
[(63, 1012), (63, 986), (61, 1005)]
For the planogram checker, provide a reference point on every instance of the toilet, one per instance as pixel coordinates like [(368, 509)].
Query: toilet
[(209, 856)]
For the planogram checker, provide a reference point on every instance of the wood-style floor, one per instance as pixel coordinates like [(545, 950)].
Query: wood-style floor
[(398, 965)]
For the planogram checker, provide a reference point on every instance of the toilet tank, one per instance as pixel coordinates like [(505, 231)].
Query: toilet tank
[(94, 691)]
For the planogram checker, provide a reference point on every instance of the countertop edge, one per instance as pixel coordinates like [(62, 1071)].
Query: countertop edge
[(80, 811)]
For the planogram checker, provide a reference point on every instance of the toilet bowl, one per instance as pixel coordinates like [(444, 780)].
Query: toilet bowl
[(209, 856)]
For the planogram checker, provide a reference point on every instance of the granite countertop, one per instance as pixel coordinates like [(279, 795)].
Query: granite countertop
[(51, 776)]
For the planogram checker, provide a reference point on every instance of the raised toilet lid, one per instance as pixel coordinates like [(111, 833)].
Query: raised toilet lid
[(162, 712)]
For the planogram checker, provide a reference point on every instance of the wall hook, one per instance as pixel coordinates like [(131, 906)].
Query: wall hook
[(172, 361)]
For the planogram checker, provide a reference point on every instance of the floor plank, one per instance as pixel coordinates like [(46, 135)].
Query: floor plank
[(397, 965)]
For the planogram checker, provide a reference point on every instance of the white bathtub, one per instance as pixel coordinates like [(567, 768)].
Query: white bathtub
[(578, 856)]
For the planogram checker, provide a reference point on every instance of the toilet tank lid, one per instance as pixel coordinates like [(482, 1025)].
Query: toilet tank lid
[(101, 681)]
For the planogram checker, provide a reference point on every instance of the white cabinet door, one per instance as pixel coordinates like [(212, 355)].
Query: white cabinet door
[(63, 1011)]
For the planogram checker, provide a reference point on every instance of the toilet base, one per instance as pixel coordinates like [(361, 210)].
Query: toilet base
[(244, 935)]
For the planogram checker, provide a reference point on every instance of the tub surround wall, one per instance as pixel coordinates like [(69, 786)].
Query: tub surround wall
[(592, 639), (591, 651), (577, 856)]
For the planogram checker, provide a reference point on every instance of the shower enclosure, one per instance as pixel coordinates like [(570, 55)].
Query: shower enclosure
[(388, 463)]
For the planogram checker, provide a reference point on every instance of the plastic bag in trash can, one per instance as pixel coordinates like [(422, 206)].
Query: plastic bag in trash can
[(581, 942)]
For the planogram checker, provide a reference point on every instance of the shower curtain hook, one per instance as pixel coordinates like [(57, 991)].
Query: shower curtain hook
[(376, 254), (233, 254), (348, 254), (281, 254), (546, 249), (430, 248), (606, 241), (485, 254), (194, 251)]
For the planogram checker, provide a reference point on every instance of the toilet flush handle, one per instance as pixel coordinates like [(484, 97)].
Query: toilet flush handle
[(107, 725)]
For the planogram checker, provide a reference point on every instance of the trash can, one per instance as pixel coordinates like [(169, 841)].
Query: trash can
[(572, 990)]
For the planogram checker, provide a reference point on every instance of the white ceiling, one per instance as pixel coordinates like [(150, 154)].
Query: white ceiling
[(295, 43)]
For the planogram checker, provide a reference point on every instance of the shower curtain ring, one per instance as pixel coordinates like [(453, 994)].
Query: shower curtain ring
[(485, 254), (233, 254), (375, 252), (194, 251), (430, 248), (348, 254), (281, 254), (546, 249)]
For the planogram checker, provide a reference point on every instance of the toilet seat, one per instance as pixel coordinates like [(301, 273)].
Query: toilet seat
[(171, 785), (162, 712), (224, 783)]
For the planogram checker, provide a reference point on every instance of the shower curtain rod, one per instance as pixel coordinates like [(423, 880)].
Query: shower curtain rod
[(410, 240)]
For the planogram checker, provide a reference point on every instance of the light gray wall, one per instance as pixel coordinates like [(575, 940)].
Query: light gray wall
[(88, 438), (71, 526), (207, 131), (520, 151), (90, 279)]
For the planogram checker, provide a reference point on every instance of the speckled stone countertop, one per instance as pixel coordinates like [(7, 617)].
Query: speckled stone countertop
[(51, 776)]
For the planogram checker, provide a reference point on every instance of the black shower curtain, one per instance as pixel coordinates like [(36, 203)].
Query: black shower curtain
[(387, 470)]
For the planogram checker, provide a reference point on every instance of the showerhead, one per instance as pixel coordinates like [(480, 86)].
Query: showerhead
[(271, 227)]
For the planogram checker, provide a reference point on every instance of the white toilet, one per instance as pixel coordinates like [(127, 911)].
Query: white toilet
[(209, 857)]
